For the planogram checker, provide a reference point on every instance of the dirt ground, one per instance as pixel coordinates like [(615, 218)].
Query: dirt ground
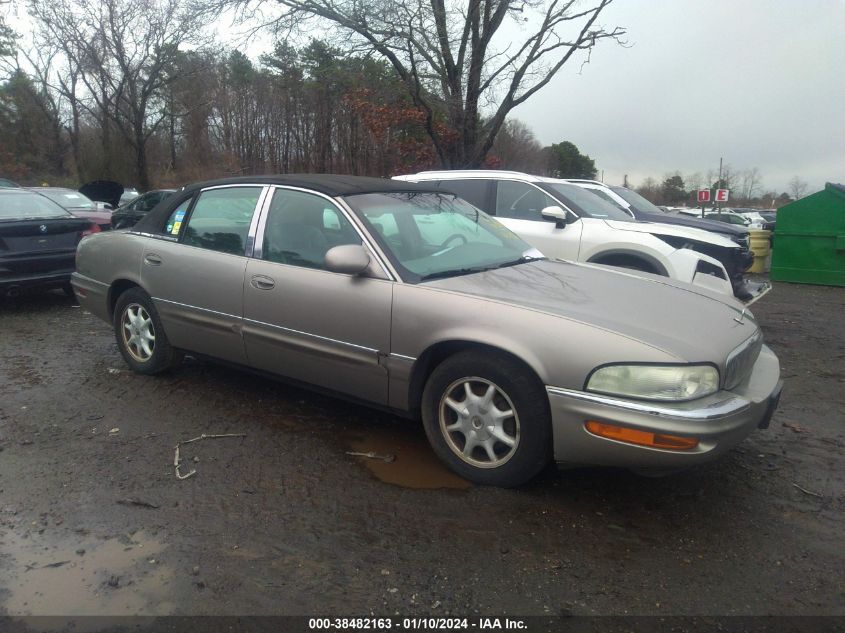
[(284, 521)]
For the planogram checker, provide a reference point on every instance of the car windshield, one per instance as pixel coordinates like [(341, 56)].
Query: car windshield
[(585, 203), (637, 201), (68, 198), (25, 205), (431, 235)]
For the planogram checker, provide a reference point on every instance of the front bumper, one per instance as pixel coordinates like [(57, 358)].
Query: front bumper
[(719, 421)]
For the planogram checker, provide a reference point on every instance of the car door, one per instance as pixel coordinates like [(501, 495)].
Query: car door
[(195, 270), (519, 206), (303, 321)]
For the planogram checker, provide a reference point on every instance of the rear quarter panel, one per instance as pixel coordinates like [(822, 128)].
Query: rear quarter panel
[(103, 259)]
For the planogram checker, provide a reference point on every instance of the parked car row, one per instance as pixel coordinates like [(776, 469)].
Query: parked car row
[(40, 227), (738, 217), (409, 296)]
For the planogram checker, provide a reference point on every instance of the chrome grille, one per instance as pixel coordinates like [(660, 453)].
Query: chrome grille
[(742, 359)]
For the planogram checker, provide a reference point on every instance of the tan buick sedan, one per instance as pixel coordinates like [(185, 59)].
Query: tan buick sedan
[(415, 301)]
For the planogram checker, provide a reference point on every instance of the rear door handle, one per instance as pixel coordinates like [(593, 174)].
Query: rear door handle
[(260, 282), (152, 259)]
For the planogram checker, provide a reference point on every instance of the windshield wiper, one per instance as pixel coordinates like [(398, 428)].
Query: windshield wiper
[(455, 272), (479, 269), (522, 260)]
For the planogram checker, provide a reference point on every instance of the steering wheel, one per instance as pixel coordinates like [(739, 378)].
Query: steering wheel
[(453, 237)]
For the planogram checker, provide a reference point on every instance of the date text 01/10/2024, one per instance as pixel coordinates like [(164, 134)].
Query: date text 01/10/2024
[(431, 624)]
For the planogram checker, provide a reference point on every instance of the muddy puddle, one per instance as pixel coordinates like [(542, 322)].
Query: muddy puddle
[(89, 576), (414, 464)]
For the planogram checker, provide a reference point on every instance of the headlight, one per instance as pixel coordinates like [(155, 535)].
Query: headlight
[(656, 382)]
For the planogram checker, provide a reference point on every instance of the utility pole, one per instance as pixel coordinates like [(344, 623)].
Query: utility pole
[(719, 186)]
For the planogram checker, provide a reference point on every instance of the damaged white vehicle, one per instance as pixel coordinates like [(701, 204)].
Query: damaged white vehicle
[(567, 222)]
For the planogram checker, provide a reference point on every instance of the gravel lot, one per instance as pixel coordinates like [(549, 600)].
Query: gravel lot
[(284, 521)]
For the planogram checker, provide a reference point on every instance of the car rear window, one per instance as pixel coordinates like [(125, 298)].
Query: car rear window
[(24, 205), (69, 199)]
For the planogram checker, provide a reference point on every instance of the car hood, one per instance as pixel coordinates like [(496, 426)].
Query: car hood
[(658, 228), (684, 321), (679, 219), (103, 191)]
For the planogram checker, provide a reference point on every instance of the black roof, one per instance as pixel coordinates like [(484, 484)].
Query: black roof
[(329, 184)]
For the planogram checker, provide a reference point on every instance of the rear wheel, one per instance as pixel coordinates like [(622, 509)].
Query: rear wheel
[(140, 334), (487, 417)]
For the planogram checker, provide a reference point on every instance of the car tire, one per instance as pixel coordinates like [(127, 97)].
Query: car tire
[(504, 450), (140, 334)]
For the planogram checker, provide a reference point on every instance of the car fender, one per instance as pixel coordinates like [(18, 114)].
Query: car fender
[(427, 317), (599, 239)]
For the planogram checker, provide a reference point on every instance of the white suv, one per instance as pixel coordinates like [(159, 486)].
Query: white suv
[(565, 221)]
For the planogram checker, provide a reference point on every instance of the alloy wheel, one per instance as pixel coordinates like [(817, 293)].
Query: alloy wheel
[(138, 332), (479, 422)]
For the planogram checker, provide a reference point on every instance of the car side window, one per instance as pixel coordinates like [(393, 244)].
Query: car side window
[(302, 227), (473, 190), (220, 219), (521, 201), (147, 202), (177, 219)]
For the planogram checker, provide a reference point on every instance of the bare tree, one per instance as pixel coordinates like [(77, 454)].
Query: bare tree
[(797, 187), (463, 59), (694, 181), (123, 53), (750, 182), (517, 148)]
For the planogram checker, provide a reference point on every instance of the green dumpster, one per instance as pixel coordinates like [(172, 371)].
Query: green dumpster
[(809, 243)]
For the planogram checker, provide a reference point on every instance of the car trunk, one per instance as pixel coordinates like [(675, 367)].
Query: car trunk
[(107, 191), (39, 245)]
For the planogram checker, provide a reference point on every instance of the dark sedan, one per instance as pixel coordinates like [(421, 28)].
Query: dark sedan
[(38, 241), (77, 204), (127, 215)]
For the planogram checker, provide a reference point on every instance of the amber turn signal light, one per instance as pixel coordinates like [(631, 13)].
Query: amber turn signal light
[(641, 438)]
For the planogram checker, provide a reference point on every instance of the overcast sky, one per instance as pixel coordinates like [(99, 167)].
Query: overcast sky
[(759, 82)]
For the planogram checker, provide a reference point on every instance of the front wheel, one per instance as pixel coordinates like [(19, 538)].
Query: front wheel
[(140, 334), (487, 417)]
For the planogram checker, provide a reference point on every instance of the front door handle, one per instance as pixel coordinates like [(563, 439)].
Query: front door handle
[(260, 282), (152, 259)]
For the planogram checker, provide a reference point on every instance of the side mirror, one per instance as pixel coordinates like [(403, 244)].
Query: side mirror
[(555, 214), (349, 259)]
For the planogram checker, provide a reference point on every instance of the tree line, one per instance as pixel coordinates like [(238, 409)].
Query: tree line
[(138, 91)]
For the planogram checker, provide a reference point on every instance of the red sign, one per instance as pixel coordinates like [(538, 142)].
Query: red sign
[(704, 195), (722, 195)]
